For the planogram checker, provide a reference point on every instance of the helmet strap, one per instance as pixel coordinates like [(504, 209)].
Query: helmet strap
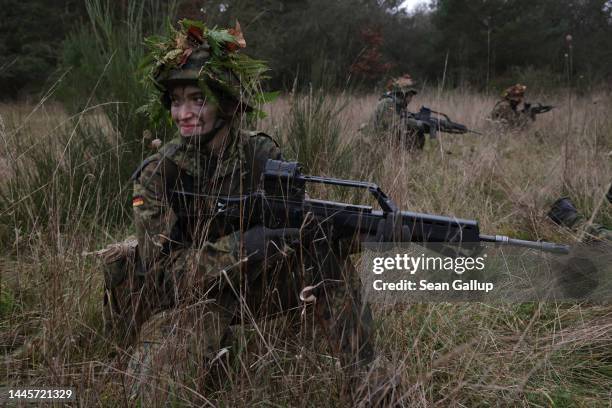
[(203, 138), (208, 136)]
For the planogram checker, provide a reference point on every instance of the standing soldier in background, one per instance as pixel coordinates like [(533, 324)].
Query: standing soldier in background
[(193, 274), (389, 119)]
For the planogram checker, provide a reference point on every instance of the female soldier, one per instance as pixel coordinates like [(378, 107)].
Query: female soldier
[(196, 273)]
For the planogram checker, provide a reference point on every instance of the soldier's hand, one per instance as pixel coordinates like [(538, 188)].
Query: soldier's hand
[(260, 242)]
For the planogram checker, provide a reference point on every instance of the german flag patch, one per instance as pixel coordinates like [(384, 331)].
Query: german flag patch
[(137, 201)]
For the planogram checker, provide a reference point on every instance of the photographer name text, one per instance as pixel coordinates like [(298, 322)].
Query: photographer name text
[(425, 285)]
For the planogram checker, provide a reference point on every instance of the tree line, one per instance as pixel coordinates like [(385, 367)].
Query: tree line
[(358, 43)]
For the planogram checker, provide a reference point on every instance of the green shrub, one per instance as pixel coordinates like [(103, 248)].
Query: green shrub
[(102, 63), (79, 171), (314, 134)]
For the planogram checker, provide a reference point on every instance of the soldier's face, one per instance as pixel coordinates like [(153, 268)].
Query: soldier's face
[(190, 111)]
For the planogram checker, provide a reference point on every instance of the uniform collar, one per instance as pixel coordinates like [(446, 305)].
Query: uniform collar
[(235, 138), (225, 164)]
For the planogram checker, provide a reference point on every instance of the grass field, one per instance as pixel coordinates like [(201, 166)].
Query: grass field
[(445, 354)]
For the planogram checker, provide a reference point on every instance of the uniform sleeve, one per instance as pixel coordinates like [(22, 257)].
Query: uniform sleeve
[(153, 216), (384, 116), (498, 112)]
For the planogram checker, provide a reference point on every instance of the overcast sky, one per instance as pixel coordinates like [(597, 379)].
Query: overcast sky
[(411, 4)]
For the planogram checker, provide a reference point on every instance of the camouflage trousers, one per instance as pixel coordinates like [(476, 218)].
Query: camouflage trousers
[(600, 232), (189, 308), (592, 232)]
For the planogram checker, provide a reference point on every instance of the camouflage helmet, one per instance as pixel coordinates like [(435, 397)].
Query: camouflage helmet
[(403, 84), (188, 71), (208, 57), (515, 92)]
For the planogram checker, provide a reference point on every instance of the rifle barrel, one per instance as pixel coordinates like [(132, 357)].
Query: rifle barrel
[(539, 245)]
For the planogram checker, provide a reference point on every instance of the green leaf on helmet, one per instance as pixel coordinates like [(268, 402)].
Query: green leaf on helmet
[(185, 23), (217, 38)]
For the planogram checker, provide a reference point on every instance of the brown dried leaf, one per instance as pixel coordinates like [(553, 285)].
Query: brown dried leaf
[(236, 32), (186, 53), (196, 34), (181, 41)]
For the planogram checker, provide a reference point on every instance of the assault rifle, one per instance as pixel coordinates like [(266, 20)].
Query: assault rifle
[(535, 109), (424, 121), (283, 204)]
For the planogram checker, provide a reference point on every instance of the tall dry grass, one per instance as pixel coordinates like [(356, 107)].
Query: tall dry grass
[(446, 355), (507, 180)]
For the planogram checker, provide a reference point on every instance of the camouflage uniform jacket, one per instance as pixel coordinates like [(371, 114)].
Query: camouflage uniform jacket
[(191, 264), (167, 223), (504, 114), (392, 119), (388, 115)]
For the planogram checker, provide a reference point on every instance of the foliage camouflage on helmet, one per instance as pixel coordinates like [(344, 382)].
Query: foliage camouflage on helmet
[(209, 56), (515, 92), (402, 84)]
